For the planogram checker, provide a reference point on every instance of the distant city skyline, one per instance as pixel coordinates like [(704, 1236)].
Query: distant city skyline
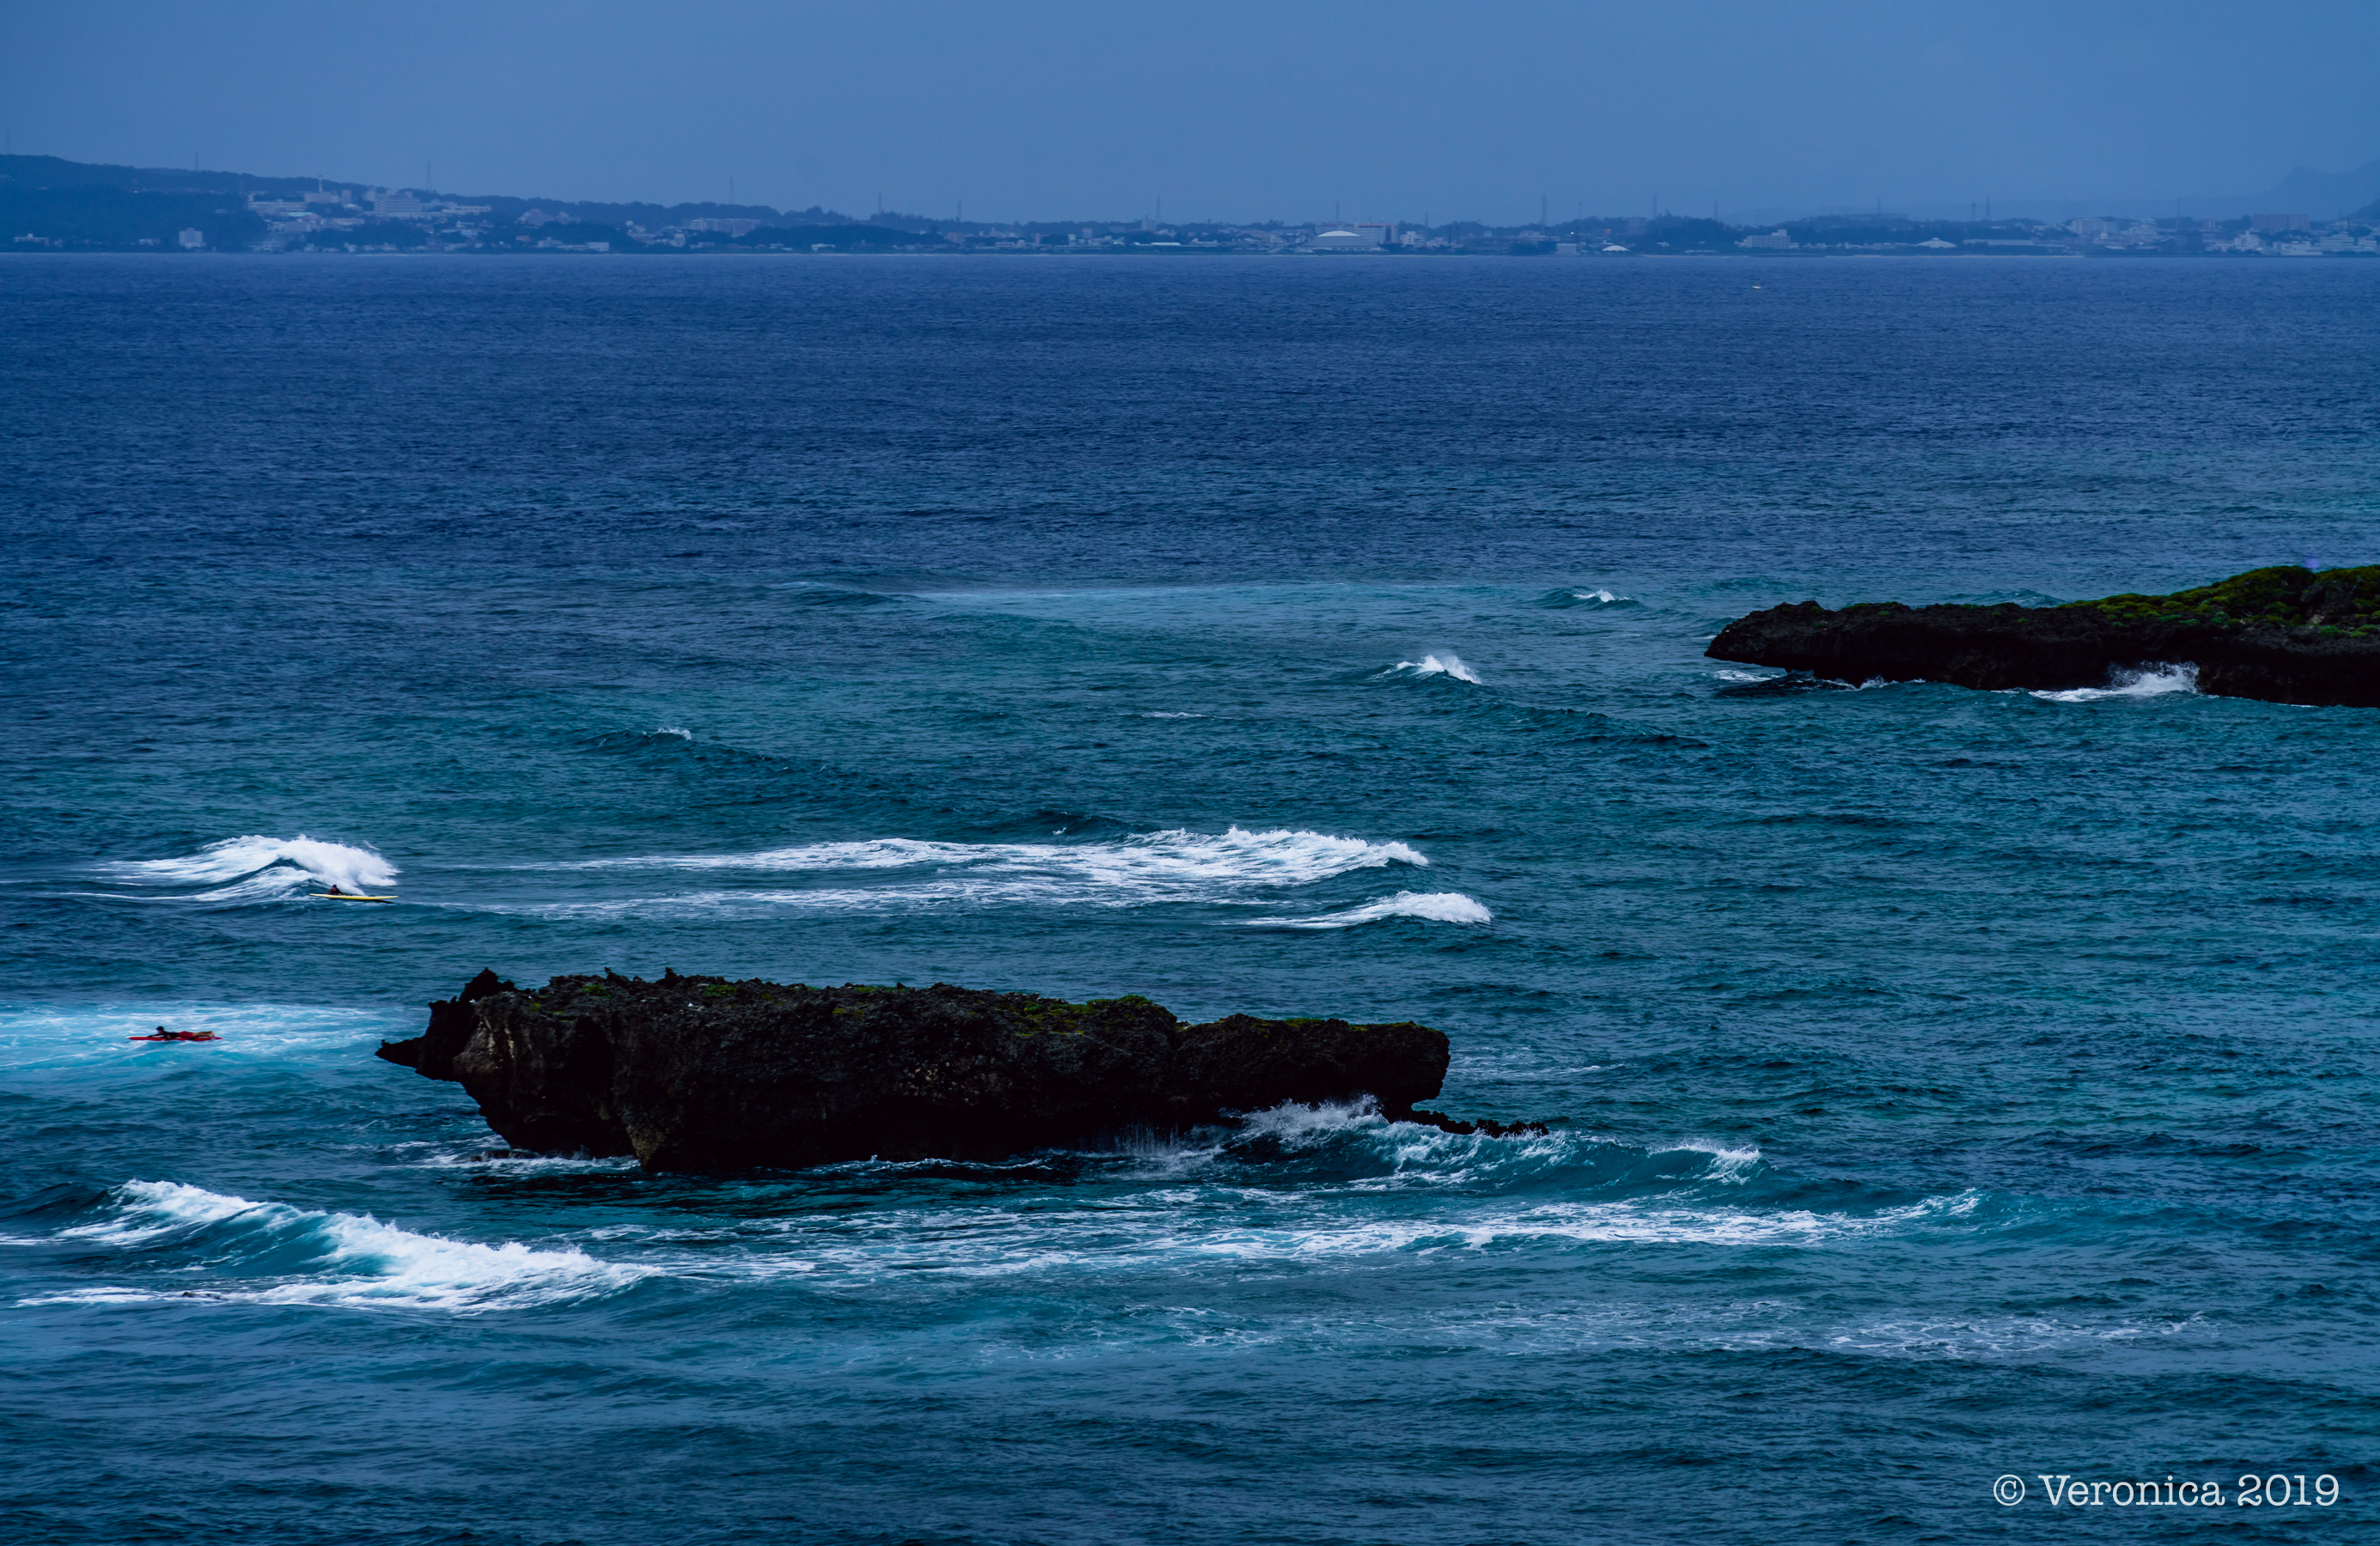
[(1234, 111)]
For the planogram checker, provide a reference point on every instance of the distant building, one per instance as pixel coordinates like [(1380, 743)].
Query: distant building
[(1342, 241), (1938, 245), (2278, 223), (2091, 225), (725, 227), (1776, 240), (191, 237), (398, 206)]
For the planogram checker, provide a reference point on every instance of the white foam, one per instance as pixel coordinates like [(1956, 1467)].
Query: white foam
[(1597, 595), (1434, 665), (1294, 1123), (1148, 867), (2147, 681), (1999, 1336), (1750, 676), (1172, 866), (347, 1259), (255, 868), (1438, 906), (682, 733), (1173, 1228)]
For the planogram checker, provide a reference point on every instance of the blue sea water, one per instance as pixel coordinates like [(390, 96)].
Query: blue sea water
[(1944, 1084)]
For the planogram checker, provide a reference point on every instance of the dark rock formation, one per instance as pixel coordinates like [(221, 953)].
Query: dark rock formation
[(2287, 635), (702, 1074)]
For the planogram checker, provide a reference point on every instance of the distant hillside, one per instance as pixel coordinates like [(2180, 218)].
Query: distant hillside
[(83, 206), (48, 204)]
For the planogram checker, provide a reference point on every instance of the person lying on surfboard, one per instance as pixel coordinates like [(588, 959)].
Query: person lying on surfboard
[(335, 890), (164, 1035)]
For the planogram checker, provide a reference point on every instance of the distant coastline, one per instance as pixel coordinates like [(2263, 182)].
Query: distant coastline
[(52, 205)]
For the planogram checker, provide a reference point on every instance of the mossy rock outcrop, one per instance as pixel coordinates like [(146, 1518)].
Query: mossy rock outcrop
[(704, 1075), (2287, 635)]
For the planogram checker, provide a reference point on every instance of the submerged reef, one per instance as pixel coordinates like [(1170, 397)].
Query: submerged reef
[(704, 1075), (2287, 635)]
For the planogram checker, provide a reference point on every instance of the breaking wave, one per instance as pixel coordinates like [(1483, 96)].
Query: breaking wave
[(2147, 681), (253, 868), (1563, 596), (1149, 864), (1337, 1181), (271, 1253), (1433, 665), (1173, 866), (1438, 906)]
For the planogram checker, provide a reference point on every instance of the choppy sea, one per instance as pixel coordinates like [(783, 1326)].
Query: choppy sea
[(1944, 1084)]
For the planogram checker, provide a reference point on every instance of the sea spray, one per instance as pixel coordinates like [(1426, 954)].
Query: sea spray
[(1449, 665)]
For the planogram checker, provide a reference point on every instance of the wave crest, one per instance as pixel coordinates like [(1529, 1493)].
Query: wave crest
[(1565, 596), (1449, 665), (257, 868), (280, 1255), (1437, 907), (1280, 856), (1236, 868)]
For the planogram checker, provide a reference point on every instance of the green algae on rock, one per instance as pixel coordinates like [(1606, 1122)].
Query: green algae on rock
[(2286, 634)]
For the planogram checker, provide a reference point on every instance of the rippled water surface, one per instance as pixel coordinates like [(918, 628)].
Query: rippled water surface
[(1942, 1084)]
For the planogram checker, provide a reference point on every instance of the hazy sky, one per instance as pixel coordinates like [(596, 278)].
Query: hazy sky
[(1226, 109)]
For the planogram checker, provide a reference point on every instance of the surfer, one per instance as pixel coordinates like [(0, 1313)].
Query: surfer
[(335, 890)]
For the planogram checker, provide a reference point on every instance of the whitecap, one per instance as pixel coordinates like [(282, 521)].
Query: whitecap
[(1437, 907), (2146, 681), (1278, 857), (1448, 665), (1158, 867), (1731, 1164), (1584, 595), (1179, 1230), (296, 1255), (257, 867)]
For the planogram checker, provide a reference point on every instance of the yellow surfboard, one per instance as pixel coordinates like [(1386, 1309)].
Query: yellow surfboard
[(346, 896)]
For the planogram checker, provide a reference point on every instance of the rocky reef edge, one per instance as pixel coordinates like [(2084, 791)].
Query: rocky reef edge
[(2287, 634), (700, 1074)]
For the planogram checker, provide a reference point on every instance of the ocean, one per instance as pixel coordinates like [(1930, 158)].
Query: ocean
[(1943, 1087)]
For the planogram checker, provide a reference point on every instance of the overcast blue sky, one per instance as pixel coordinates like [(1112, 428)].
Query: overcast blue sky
[(1225, 109)]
